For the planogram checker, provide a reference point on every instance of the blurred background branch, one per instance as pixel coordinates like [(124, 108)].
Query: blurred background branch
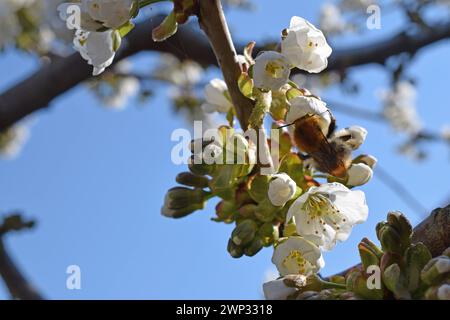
[(18, 286), (59, 74)]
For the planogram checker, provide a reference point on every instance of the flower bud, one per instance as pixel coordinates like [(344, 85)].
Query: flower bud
[(266, 211), (397, 220), (259, 187), (271, 71), (368, 159), (416, 256), (358, 174), (192, 180), (248, 210), (254, 247), (368, 256), (389, 238), (197, 166), (179, 197), (197, 145), (234, 250), (244, 232), (180, 212), (436, 270), (357, 283), (353, 136), (389, 258), (281, 189), (394, 281), (269, 233), (225, 211)]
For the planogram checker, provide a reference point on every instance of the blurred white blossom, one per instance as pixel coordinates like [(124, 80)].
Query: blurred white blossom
[(331, 19), (216, 97), (400, 107), (12, 140)]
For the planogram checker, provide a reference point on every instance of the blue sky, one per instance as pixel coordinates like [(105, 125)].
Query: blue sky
[(95, 181)]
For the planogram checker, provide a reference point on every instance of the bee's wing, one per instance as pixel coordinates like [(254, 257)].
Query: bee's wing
[(310, 138)]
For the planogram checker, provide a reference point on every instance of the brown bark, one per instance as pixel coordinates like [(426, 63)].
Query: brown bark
[(214, 24)]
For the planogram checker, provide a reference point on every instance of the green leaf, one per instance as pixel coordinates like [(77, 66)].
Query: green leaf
[(248, 51), (246, 84), (166, 29), (126, 28)]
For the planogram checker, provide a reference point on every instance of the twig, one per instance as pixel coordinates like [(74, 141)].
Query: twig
[(212, 21)]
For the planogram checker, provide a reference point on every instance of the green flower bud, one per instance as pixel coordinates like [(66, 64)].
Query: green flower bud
[(398, 221), (269, 233), (417, 256), (197, 166), (388, 259), (266, 211), (254, 247), (244, 232), (196, 146), (223, 182), (242, 197), (356, 282), (389, 238), (192, 180), (394, 281), (234, 250), (259, 187), (181, 197), (368, 256), (436, 270), (180, 212), (225, 211), (248, 210)]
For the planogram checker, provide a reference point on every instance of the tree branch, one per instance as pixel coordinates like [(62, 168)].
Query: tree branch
[(14, 280), (53, 79), (62, 74), (433, 232), (212, 21)]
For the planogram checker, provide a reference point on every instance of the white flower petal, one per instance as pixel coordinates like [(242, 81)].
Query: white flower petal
[(305, 46), (281, 189)]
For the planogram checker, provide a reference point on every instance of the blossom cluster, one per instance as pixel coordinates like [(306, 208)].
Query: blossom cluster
[(287, 207)]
